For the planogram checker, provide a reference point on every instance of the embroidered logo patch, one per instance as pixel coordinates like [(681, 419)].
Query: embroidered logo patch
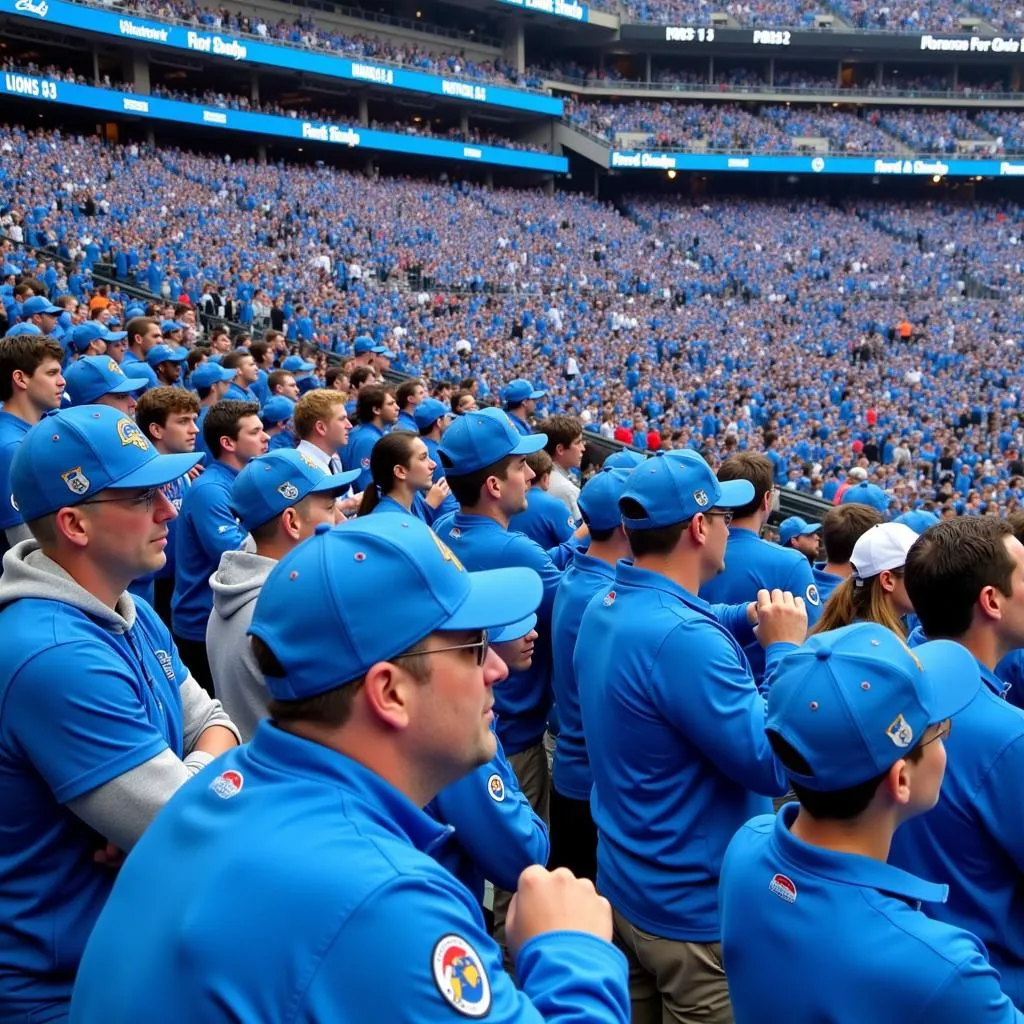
[(812, 595), (900, 732), (496, 787), (288, 491), (460, 976), (446, 552), (701, 497), (77, 481), (783, 887), (228, 784), (166, 664), (609, 599), (129, 433)]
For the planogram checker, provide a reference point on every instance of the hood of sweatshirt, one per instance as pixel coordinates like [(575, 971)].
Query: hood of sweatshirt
[(238, 580)]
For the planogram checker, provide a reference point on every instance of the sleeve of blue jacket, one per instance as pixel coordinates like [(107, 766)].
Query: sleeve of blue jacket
[(216, 528), (734, 618), (724, 713), (522, 552), (800, 583), (971, 993), (561, 554), (1003, 808), (417, 953), (494, 823)]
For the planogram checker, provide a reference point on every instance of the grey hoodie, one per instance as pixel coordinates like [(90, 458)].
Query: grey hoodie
[(236, 677), (120, 809)]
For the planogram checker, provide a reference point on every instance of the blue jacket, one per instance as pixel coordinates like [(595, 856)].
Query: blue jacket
[(546, 520), (675, 733), (363, 924), (752, 564), (207, 527), (974, 838), (496, 834), (584, 578), (523, 700), (356, 454), (848, 933)]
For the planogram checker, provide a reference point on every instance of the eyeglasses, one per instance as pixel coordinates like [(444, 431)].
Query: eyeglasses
[(941, 734), (481, 646), (726, 517), (146, 498)]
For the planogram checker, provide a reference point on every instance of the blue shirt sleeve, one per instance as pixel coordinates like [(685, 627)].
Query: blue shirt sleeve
[(999, 800), (523, 552), (216, 528), (971, 993), (800, 583), (724, 716), (73, 711), (9, 514)]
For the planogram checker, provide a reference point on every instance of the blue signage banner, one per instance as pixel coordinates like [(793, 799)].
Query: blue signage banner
[(918, 166), (557, 8), (13, 83), (251, 51)]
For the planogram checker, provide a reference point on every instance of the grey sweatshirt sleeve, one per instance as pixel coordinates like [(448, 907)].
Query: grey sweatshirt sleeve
[(121, 810), (199, 712), (16, 534)]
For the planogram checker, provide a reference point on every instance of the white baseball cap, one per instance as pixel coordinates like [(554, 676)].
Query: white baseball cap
[(884, 546)]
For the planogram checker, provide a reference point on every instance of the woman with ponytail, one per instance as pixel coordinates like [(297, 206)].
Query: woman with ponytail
[(402, 472)]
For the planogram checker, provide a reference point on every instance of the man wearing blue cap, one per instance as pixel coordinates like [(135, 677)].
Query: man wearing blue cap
[(98, 380), (172, 332), (519, 398), (860, 723), (211, 382), (280, 498), (166, 362), (965, 577), (365, 350), (865, 493), (573, 833), (101, 720), (31, 385), (234, 434), (376, 414), (753, 564), (277, 422), (796, 533), (40, 311), (369, 721), (142, 334), (674, 724), (92, 339)]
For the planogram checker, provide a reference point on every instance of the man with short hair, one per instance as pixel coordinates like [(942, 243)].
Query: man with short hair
[(519, 399), (93, 339), (841, 528), (364, 351), (566, 447), (796, 533), (98, 380), (965, 578), (753, 564), (376, 414), (302, 370), (143, 334), (234, 435), (40, 311), (674, 725), (322, 427), (31, 384), (211, 382), (166, 362), (280, 498), (409, 394), (281, 382), (246, 374), (859, 723), (101, 721)]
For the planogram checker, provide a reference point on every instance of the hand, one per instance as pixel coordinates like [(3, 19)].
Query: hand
[(781, 618), (437, 493), (551, 901), (110, 857), (350, 506), (197, 470)]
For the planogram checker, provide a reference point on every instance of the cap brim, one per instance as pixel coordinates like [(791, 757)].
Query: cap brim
[(338, 482), (529, 444), (954, 676), (114, 336), (126, 386), (812, 528), (496, 598), (158, 471), (735, 493), (514, 630), (537, 394)]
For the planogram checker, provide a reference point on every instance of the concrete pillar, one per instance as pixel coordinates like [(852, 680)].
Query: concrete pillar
[(261, 152), (839, 74), (95, 65), (364, 112), (514, 49), (1015, 78), (711, 70), (489, 179), (647, 70), (771, 70), (370, 169), (549, 185), (597, 183), (136, 71), (956, 75), (464, 123), (150, 136), (879, 73), (254, 88)]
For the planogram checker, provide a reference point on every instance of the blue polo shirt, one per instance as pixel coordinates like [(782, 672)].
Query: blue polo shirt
[(522, 426), (752, 564), (357, 452), (80, 704), (133, 366), (675, 732), (1011, 671), (583, 578), (496, 833), (522, 701), (12, 431), (236, 393), (406, 422), (847, 933), (207, 527), (420, 509), (974, 838), (546, 519), (826, 582), (361, 899)]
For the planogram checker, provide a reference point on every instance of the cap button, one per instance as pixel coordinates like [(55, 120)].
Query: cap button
[(823, 654)]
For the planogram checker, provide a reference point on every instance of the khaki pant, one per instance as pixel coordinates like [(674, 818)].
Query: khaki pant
[(673, 982), (531, 768)]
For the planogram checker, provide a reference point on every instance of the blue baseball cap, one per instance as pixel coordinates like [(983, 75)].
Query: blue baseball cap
[(429, 411), (796, 526), (85, 334), (866, 494), (917, 519), (278, 480), (71, 455), (25, 328), (92, 377), (599, 499), (513, 631), (519, 390), (625, 458), (165, 354), (364, 344), (482, 438), (278, 409), (39, 304), (167, 326), (10, 270), (297, 363), (205, 375), (323, 638), (853, 701), (672, 487)]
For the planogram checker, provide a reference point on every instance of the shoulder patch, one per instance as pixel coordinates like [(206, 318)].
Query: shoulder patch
[(783, 887), (460, 976), (811, 594), (496, 787), (228, 784)]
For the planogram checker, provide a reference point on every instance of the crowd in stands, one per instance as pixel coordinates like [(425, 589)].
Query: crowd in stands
[(846, 132), (934, 131)]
